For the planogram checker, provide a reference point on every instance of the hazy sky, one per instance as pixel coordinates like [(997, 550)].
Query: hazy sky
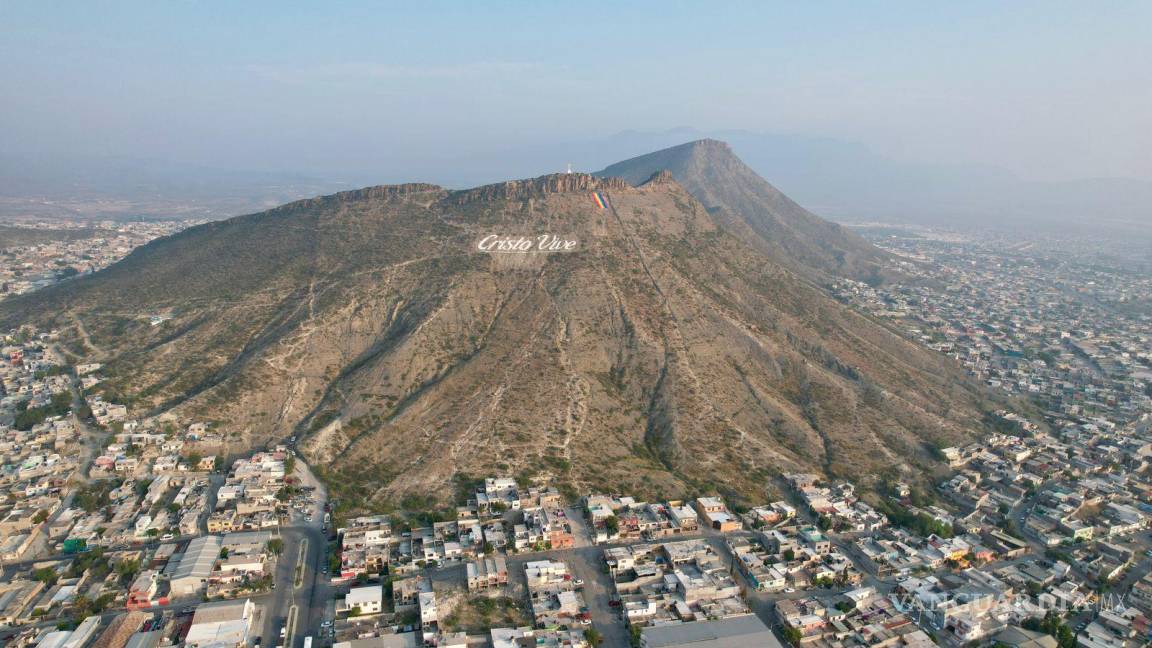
[(1049, 90)]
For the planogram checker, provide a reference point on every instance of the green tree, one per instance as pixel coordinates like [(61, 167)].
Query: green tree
[(612, 525), (82, 606), (127, 571), (275, 546), (46, 575)]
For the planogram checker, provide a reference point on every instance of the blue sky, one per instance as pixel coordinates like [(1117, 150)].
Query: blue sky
[(1048, 90)]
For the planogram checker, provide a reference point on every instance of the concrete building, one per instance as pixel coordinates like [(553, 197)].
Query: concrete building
[(191, 573), (736, 632), (220, 625), (368, 600)]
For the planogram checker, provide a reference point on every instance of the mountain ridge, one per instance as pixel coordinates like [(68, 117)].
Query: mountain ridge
[(666, 351)]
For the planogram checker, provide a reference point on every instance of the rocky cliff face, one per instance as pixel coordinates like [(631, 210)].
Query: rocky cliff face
[(665, 353), (536, 188)]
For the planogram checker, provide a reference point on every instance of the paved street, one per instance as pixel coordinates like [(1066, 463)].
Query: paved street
[(306, 604)]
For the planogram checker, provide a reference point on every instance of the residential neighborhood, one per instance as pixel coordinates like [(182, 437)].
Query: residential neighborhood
[(51, 251)]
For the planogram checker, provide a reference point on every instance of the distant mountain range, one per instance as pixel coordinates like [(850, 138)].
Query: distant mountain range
[(678, 340)]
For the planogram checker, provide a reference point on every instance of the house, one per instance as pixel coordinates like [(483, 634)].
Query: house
[(143, 590), (684, 517), (715, 513), (363, 600), (487, 572)]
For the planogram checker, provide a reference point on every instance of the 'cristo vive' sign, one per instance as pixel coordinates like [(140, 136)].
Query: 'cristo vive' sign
[(525, 245)]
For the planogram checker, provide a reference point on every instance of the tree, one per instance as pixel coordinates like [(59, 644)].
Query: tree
[(127, 570), (275, 546), (612, 525), (792, 635), (103, 602), (45, 575), (593, 636), (82, 605), (40, 516)]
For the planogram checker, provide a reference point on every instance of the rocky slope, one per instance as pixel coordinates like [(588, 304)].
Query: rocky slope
[(733, 193), (664, 349)]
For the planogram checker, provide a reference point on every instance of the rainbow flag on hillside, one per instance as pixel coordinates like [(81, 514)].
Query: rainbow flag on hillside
[(601, 200)]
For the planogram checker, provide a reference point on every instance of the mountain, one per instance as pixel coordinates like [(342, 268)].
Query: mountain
[(664, 352), (734, 194)]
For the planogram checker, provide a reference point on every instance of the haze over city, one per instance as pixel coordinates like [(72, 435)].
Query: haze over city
[(386, 93)]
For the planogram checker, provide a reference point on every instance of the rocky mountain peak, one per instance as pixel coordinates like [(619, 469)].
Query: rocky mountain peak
[(790, 234), (662, 176)]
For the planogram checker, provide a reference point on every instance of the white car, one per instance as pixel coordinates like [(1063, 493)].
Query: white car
[(789, 590)]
